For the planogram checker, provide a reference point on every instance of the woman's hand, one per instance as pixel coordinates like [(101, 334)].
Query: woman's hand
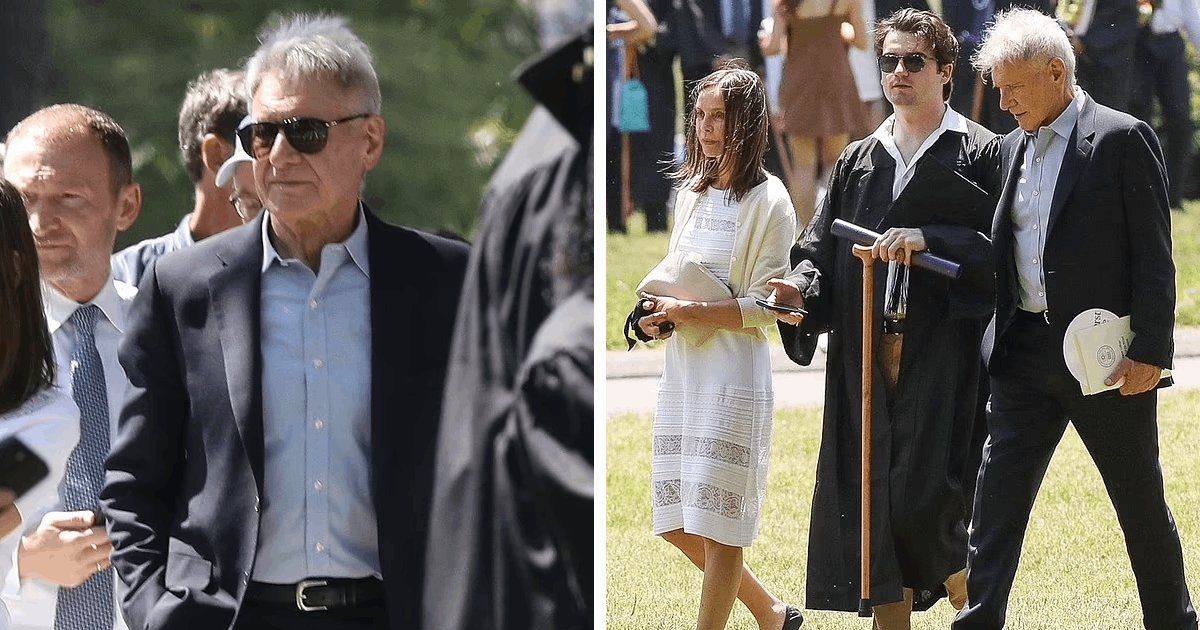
[(848, 34), (631, 32), (652, 324)]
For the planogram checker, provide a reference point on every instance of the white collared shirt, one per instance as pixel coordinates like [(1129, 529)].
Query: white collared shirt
[(951, 121), (1033, 196), (31, 604)]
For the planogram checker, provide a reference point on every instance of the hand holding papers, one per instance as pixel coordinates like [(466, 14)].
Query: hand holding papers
[(1094, 345)]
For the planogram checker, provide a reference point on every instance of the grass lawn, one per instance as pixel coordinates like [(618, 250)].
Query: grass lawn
[(1074, 573), (631, 255)]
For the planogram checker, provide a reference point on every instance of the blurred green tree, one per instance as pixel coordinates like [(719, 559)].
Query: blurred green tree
[(444, 68)]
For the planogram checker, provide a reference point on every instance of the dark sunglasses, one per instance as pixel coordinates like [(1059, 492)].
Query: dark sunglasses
[(306, 135), (913, 62)]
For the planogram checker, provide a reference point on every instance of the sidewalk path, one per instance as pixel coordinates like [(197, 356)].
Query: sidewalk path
[(632, 377)]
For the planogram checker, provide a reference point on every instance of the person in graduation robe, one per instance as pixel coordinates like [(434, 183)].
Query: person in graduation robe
[(510, 534), (927, 180)]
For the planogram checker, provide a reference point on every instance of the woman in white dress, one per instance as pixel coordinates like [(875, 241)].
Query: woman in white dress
[(31, 409), (712, 428)]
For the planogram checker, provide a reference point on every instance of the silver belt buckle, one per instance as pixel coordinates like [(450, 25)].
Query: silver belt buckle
[(304, 585), (1046, 316)]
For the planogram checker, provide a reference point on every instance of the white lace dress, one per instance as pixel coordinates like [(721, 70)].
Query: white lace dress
[(712, 427)]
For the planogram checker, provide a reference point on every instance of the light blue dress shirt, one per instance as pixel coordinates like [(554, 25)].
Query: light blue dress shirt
[(130, 263), (1034, 193), (318, 519)]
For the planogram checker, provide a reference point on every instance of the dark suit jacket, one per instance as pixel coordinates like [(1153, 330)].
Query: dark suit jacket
[(185, 474), (1108, 240)]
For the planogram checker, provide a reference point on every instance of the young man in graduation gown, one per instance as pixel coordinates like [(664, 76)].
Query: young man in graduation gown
[(927, 180)]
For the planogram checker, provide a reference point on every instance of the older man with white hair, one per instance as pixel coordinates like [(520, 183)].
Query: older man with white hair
[(274, 462), (1082, 224)]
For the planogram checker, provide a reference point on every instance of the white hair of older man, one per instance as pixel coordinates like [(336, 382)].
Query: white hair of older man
[(316, 47), (1023, 34)]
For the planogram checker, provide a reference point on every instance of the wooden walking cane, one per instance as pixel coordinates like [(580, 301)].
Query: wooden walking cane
[(863, 239), (977, 98), (865, 254), (784, 150), (626, 193)]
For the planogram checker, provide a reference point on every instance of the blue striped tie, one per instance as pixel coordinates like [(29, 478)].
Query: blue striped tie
[(88, 606)]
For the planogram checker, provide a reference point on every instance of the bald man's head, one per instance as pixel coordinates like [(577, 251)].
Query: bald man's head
[(58, 124)]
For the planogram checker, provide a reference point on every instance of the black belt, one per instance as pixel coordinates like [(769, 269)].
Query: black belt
[(1040, 318), (318, 593)]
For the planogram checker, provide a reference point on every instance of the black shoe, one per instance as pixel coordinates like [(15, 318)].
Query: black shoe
[(792, 619)]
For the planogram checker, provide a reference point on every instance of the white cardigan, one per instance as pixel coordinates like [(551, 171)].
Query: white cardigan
[(762, 243)]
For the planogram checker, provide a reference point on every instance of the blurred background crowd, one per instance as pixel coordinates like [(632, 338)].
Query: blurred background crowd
[(823, 80)]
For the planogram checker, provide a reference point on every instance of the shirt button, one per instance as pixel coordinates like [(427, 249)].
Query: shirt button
[(317, 485), (1038, 160), (1035, 226), (1040, 294), (320, 547), (1035, 261), (318, 424), (318, 363), (1035, 193), (732, 258)]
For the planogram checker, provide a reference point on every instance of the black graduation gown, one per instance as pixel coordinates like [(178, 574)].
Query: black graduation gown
[(510, 536), (921, 437)]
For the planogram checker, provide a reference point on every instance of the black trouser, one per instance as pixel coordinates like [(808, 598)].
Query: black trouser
[(1030, 407), (1162, 74), (264, 616)]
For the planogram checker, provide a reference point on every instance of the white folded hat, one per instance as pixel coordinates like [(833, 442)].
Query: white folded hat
[(225, 173)]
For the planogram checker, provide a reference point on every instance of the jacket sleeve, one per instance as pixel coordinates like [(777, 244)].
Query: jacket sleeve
[(142, 483), (770, 261), (972, 294), (812, 260), (1148, 224)]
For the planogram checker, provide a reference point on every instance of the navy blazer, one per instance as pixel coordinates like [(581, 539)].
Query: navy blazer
[(1108, 239), (184, 481)]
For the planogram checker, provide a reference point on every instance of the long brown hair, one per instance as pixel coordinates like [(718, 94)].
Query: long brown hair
[(745, 133), (26, 354)]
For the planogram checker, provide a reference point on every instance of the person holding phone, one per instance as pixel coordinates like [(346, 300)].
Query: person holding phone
[(926, 414), (39, 423), (712, 429)]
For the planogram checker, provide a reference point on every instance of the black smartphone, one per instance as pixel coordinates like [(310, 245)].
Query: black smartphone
[(20, 468), (782, 308)]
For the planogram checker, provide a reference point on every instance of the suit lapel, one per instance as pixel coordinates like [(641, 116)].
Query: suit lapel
[(393, 324), (1006, 271), (1079, 150), (1002, 221), (235, 291)]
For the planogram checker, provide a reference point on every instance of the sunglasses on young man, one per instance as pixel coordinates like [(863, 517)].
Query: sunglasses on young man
[(913, 62), (306, 135)]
